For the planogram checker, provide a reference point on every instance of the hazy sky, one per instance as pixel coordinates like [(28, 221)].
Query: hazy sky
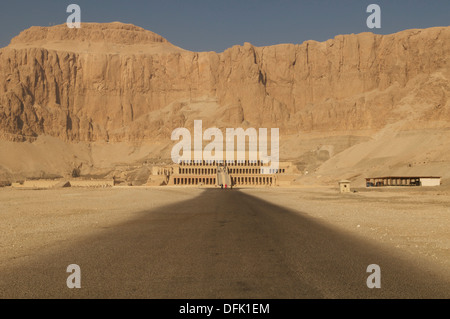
[(210, 25)]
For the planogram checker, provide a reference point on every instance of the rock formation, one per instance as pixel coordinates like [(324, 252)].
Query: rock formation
[(119, 83)]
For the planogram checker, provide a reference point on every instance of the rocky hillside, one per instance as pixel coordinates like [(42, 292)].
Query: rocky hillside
[(116, 83)]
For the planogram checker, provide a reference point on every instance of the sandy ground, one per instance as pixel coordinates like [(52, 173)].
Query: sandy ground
[(414, 223), (37, 220)]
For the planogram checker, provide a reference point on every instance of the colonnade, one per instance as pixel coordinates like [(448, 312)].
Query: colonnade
[(194, 180)]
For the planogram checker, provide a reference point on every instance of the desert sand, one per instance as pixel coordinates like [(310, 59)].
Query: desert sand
[(414, 224)]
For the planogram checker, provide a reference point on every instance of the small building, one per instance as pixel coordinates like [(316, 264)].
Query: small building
[(344, 186), (430, 181), (403, 181)]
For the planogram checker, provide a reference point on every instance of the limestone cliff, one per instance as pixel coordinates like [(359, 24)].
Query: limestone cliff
[(118, 82)]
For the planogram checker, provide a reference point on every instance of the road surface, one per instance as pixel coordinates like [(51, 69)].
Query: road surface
[(221, 244)]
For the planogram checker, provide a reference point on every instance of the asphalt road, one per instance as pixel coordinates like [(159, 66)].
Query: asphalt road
[(222, 244)]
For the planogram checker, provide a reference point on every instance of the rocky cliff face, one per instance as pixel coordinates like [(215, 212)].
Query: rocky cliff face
[(117, 82)]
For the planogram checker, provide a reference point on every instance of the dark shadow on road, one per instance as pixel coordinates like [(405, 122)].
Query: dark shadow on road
[(221, 244)]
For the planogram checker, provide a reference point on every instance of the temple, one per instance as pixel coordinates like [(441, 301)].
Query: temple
[(213, 174)]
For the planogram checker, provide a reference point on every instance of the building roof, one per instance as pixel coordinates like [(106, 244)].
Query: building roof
[(417, 177)]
